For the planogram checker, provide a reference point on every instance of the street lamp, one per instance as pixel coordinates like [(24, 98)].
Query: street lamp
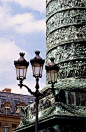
[(37, 66), (21, 67), (52, 73)]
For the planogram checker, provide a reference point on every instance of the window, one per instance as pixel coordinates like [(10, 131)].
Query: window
[(3, 99), (16, 100), (6, 129), (7, 110)]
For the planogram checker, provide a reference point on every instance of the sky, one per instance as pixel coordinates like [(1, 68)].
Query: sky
[(22, 29)]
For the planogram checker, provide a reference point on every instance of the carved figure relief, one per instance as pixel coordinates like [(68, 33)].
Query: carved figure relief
[(53, 54), (21, 104), (71, 51), (69, 17), (43, 104), (66, 35), (52, 5), (76, 69)]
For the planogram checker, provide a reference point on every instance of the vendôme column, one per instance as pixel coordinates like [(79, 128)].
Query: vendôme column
[(66, 41)]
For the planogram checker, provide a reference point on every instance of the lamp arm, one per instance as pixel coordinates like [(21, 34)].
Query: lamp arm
[(29, 90)]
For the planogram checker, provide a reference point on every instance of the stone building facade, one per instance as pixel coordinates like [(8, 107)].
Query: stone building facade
[(9, 109)]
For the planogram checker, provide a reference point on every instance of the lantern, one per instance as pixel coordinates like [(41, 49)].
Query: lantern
[(21, 67), (37, 65), (52, 72)]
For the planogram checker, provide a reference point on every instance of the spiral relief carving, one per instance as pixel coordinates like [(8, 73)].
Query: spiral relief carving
[(66, 36)]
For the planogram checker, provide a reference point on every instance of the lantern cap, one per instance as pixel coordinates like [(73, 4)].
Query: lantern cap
[(52, 62), (21, 61), (37, 52), (21, 54), (37, 59), (52, 65)]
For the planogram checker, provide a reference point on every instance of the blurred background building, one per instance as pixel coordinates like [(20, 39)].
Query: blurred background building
[(9, 109)]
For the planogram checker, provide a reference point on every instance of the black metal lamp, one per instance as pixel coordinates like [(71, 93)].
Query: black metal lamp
[(21, 67), (52, 72), (37, 65)]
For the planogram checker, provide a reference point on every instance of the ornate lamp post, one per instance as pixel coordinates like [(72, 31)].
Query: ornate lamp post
[(37, 66), (52, 73)]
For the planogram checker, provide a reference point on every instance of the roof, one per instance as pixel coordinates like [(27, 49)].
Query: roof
[(14, 99)]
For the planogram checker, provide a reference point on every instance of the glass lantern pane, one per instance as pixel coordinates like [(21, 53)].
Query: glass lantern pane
[(41, 69), (25, 71), (52, 76), (56, 76), (21, 72), (37, 71), (33, 70), (49, 77), (17, 72)]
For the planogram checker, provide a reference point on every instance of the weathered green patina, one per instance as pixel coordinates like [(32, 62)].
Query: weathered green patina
[(66, 42)]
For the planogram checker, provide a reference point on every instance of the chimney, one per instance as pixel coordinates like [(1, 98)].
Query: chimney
[(7, 90)]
